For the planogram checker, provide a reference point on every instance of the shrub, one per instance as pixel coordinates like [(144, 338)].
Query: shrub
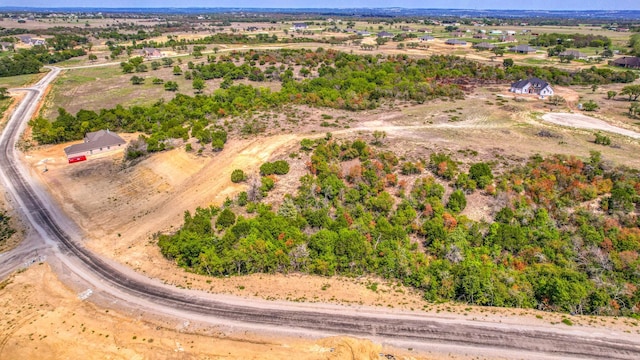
[(225, 219), (457, 201), (238, 176), (481, 174), (280, 167), (602, 139), (590, 106), (267, 185)]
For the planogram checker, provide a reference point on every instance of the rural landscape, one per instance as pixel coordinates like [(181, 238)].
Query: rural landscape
[(319, 184)]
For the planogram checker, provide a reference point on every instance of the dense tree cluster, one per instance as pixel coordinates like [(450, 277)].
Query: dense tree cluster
[(571, 40), (29, 61), (546, 247)]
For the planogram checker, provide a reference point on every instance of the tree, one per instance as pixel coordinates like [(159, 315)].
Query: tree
[(93, 57), (507, 63), (177, 70), (238, 176), (167, 62), (634, 109), (590, 106), (632, 90), (155, 65), (225, 219), (611, 94), (171, 86), (499, 51), (4, 93), (602, 139), (594, 87), (481, 174), (457, 201), (198, 84), (137, 80), (379, 136), (556, 100)]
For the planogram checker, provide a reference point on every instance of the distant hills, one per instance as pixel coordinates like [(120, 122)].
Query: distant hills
[(360, 12)]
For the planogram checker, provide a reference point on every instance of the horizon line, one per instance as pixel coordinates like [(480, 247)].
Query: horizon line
[(306, 7)]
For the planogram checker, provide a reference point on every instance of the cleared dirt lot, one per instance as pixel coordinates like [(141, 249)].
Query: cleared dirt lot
[(42, 319)]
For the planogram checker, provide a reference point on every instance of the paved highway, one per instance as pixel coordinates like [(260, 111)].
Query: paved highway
[(59, 240)]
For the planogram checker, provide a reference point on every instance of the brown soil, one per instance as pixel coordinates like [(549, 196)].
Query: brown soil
[(42, 319)]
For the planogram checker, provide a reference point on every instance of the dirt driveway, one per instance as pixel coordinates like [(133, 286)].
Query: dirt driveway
[(586, 122)]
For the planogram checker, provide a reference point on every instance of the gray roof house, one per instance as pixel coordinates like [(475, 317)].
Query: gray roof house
[(632, 62), (151, 53), (484, 46), (455, 42), (299, 26), (575, 53), (385, 34), (95, 143), (4, 46), (427, 38), (522, 49), (532, 86)]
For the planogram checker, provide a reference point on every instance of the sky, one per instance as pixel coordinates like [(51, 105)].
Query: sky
[(431, 4)]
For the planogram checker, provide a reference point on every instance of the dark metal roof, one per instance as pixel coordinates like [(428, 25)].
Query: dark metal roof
[(455, 42), (628, 61), (484, 45), (534, 81)]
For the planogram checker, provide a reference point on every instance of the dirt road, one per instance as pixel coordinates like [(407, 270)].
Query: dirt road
[(586, 122)]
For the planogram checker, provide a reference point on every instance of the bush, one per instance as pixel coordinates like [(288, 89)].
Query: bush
[(481, 174), (602, 139), (590, 106), (225, 219), (457, 201), (243, 198), (280, 167), (238, 176), (267, 185)]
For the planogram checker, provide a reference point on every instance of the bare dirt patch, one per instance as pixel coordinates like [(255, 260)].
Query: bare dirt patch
[(45, 320)]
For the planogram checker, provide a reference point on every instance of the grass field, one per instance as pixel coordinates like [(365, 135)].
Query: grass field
[(20, 80)]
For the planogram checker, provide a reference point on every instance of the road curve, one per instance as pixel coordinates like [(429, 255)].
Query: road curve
[(406, 328)]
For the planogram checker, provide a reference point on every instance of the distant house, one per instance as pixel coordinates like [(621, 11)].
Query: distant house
[(151, 53), (94, 143), (522, 49), (363, 33), (508, 38), (532, 86), (484, 46), (455, 42), (300, 26), (573, 53), (4, 46), (26, 39), (480, 36), (457, 33), (427, 38), (631, 62), (385, 34), (495, 32)]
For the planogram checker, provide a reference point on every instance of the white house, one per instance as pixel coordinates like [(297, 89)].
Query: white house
[(532, 86)]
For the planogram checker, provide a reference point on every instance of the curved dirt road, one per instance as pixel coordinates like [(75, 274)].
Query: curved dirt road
[(64, 249), (580, 121)]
